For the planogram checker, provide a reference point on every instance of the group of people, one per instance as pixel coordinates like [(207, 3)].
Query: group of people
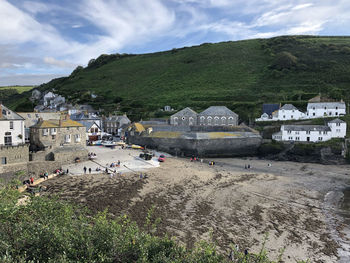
[(29, 181), (247, 166), (85, 169), (117, 164), (91, 155), (211, 163)]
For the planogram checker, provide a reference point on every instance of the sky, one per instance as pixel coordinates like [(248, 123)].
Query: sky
[(45, 39)]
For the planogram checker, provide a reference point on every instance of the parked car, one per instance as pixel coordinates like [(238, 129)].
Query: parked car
[(161, 158)]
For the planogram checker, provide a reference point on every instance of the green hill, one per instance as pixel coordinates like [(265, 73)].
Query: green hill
[(241, 75)]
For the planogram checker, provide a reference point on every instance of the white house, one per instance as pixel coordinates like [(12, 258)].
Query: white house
[(287, 112), (93, 130), (325, 109), (311, 133), (11, 127), (47, 97)]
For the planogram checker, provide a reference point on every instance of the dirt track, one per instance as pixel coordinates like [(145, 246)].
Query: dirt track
[(234, 205)]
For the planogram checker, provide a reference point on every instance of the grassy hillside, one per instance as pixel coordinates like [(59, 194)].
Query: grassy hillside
[(19, 89), (241, 75)]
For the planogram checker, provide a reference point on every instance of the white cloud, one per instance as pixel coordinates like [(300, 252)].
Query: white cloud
[(58, 63)]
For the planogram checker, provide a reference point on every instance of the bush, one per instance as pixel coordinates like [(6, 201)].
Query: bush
[(270, 148)]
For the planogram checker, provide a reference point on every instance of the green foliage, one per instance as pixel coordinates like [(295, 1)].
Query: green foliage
[(270, 148), (284, 60)]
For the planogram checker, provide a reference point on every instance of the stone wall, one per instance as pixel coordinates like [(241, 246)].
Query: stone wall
[(15, 154), (220, 147)]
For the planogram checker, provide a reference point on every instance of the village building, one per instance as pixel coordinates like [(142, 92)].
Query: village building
[(115, 123), (287, 112), (93, 130), (185, 117), (32, 118), (325, 109), (267, 110), (87, 118), (50, 134), (311, 133), (217, 116), (12, 141)]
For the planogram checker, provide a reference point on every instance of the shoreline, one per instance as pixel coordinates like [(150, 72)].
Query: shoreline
[(238, 205)]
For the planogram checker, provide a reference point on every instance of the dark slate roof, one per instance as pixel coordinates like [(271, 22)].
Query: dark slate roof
[(328, 105), (269, 108), (185, 112), (88, 124), (217, 110), (336, 121), (8, 114), (306, 128), (288, 107)]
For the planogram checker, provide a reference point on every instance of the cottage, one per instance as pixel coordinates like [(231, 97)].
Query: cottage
[(217, 116), (93, 130), (185, 117), (114, 124), (11, 127), (325, 109), (12, 147), (50, 134), (32, 118), (311, 133), (267, 110), (287, 112)]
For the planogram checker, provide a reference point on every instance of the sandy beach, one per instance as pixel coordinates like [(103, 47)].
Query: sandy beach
[(225, 203)]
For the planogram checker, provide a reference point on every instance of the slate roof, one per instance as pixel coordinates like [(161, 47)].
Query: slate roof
[(217, 110), (56, 124), (336, 121), (89, 124), (268, 108), (288, 107), (8, 114), (329, 105), (185, 112), (306, 128)]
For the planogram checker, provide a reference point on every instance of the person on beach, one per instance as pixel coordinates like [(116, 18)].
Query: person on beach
[(67, 171), (85, 169), (46, 175), (31, 180), (106, 170), (90, 170), (118, 163)]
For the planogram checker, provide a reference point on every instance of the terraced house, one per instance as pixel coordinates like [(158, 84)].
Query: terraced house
[(50, 134)]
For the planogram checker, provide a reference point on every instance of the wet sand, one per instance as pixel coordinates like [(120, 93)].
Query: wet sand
[(225, 203)]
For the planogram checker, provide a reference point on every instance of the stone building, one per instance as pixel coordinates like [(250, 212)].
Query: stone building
[(114, 124), (50, 134), (185, 117), (32, 118), (217, 116)]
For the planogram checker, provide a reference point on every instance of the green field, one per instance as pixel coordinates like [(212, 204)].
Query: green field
[(240, 75), (19, 89)]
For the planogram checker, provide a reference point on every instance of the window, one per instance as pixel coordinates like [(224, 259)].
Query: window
[(284, 116), (223, 120), (216, 121), (45, 132), (209, 120), (67, 138), (53, 137), (325, 108), (201, 119), (313, 108), (3, 160), (183, 118), (338, 130), (297, 138), (8, 139), (53, 131), (290, 138), (291, 116), (325, 132), (336, 113), (338, 124), (289, 132), (77, 138), (313, 114), (307, 132), (336, 108), (319, 132), (320, 138), (176, 120), (11, 125), (191, 121), (296, 132)]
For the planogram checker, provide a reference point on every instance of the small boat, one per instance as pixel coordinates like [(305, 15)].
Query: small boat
[(97, 143), (109, 144), (134, 146)]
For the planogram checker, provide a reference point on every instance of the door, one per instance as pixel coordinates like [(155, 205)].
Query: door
[(8, 140), (308, 139)]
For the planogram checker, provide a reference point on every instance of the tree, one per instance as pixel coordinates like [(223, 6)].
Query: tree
[(284, 60)]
